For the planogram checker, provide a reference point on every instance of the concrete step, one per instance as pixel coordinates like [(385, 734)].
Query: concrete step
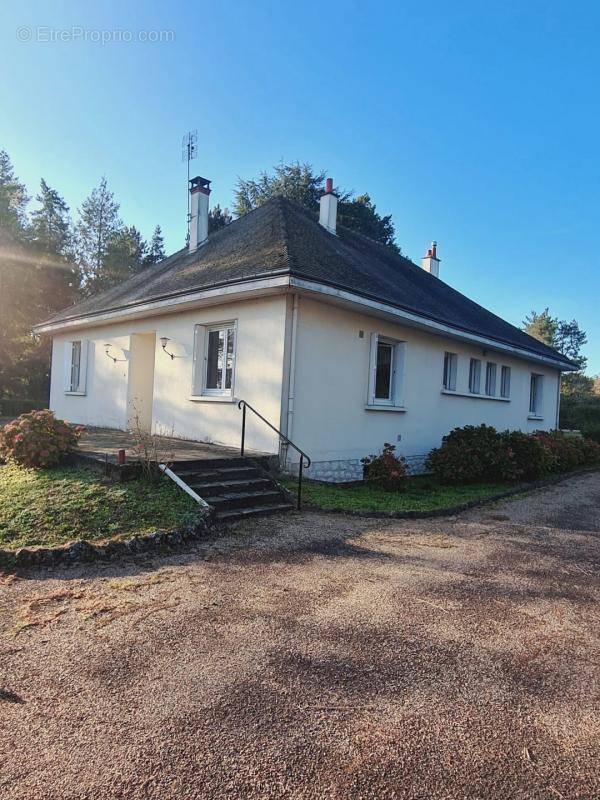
[(233, 514), (218, 475), (232, 500), (208, 489)]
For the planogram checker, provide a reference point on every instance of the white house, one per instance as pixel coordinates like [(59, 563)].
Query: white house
[(341, 344)]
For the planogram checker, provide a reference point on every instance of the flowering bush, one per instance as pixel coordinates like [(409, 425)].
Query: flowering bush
[(531, 459), (386, 470), (471, 454), (38, 439)]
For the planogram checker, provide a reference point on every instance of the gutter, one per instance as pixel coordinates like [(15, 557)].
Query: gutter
[(284, 281)]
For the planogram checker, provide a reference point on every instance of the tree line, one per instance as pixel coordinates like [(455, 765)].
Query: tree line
[(48, 261)]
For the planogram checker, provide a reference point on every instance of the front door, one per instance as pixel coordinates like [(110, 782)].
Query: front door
[(140, 388)]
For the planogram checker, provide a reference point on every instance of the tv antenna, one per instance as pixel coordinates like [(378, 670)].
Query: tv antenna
[(189, 151)]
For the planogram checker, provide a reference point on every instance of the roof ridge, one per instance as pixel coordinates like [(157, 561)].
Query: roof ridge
[(284, 229)]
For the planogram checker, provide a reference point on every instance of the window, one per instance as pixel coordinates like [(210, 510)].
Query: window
[(386, 372), (219, 359), (505, 382), (75, 366), (535, 394), (474, 376), (490, 379), (383, 371), (450, 367)]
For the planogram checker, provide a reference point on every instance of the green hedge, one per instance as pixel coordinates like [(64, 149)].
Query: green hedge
[(581, 415), (15, 406)]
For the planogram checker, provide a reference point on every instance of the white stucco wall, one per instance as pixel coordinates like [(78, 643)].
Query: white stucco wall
[(258, 374), (330, 421)]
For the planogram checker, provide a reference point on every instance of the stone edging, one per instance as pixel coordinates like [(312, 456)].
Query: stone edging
[(449, 511), (107, 550)]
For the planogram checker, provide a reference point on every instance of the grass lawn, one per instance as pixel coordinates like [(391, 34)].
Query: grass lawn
[(422, 494), (53, 506)]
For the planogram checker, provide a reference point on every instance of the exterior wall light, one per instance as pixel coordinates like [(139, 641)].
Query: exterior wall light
[(114, 359), (164, 340)]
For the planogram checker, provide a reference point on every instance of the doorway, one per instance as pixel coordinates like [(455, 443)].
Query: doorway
[(140, 388)]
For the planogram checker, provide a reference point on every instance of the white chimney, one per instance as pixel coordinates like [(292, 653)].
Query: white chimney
[(199, 194), (430, 262), (328, 207)]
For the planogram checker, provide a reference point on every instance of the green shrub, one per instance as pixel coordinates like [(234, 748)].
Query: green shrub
[(38, 439), (472, 454), (386, 470), (563, 451), (530, 458)]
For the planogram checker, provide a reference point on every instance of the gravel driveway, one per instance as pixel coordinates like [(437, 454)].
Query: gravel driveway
[(317, 656)]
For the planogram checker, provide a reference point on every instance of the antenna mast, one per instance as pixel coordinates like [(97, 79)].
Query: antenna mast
[(189, 151)]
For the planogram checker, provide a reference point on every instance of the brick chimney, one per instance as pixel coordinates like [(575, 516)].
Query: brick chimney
[(198, 225), (328, 207), (430, 262)]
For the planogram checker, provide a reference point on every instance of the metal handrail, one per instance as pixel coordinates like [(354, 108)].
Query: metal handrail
[(243, 405)]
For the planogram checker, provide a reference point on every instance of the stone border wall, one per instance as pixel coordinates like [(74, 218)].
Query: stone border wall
[(347, 470), (107, 550)]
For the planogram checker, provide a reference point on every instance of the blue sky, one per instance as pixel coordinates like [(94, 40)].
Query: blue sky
[(473, 124)]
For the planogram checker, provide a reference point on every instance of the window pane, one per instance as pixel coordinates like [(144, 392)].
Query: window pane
[(490, 379), (505, 383), (229, 364), (450, 366), (214, 361), (75, 365), (474, 376), (383, 373)]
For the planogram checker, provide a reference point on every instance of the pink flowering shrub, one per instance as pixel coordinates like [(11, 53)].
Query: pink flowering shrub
[(38, 439), (386, 470)]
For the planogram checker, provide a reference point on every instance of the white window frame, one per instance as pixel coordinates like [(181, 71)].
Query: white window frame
[(505, 376), (200, 367), (78, 390), (395, 401), (491, 374), (536, 395), (449, 371), (475, 376)]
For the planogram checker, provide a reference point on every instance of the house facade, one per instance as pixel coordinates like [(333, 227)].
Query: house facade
[(339, 343)]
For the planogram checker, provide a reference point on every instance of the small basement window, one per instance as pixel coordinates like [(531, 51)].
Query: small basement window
[(450, 369), (386, 372), (535, 394)]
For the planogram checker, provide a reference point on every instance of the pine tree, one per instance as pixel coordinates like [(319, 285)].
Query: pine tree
[(542, 327), (156, 250), (126, 252), (13, 198), (218, 218), (302, 184), (98, 223), (51, 236)]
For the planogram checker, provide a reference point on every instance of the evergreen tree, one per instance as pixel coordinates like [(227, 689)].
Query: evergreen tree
[(98, 223), (300, 183), (542, 327), (50, 223), (568, 338), (360, 214), (156, 250), (51, 236), (125, 256), (13, 198), (218, 218)]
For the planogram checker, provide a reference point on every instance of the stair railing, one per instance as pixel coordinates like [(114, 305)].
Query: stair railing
[(243, 405)]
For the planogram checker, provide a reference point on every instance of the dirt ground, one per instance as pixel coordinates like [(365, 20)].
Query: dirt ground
[(317, 656)]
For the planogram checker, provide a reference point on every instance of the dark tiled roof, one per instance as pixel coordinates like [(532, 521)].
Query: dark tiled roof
[(281, 237)]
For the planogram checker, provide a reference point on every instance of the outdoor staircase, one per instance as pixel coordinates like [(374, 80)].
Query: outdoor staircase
[(236, 488)]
